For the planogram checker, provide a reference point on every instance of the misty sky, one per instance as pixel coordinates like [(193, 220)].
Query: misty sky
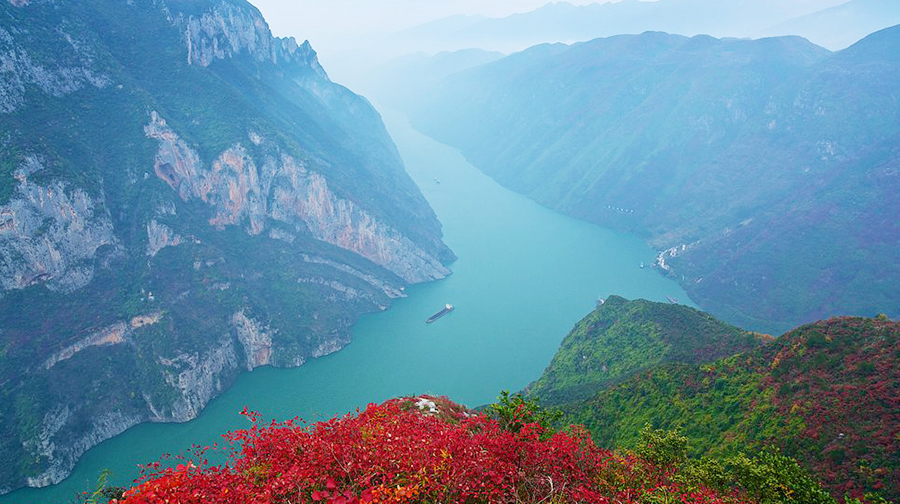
[(330, 25)]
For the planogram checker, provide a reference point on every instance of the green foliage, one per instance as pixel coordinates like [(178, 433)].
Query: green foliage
[(103, 492), (772, 478), (513, 412), (869, 498), (621, 338), (767, 477), (663, 448), (824, 394)]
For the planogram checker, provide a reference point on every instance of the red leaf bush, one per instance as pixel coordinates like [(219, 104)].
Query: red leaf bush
[(404, 452)]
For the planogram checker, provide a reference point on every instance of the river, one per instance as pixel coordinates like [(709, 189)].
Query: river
[(525, 275)]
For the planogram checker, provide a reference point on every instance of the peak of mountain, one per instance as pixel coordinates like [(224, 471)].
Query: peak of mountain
[(840, 26), (183, 196), (879, 46), (621, 338)]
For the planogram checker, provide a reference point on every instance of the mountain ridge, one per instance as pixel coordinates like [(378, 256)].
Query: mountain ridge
[(182, 197), (661, 135), (622, 338)]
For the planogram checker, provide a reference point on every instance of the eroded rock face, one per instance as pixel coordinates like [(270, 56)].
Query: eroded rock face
[(62, 454), (112, 335), (160, 236), (197, 377), (383, 286), (281, 188), (18, 70), (50, 234), (226, 31), (256, 338)]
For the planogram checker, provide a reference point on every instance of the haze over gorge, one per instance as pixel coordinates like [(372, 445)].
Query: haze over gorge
[(197, 217), (764, 171)]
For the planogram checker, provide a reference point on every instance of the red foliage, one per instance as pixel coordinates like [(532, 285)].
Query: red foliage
[(395, 453), (841, 376)]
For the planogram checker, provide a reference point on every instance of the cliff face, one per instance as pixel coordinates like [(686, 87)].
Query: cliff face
[(182, 197), (283, 189), (50, 234)]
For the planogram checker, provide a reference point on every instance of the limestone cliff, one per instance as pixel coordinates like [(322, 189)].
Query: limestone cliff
[(229, 30), (148, 258), (50, 234), (281, 188), (20, 69)]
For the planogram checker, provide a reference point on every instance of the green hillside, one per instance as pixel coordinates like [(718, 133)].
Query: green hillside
[(621, 338), (827, 394)]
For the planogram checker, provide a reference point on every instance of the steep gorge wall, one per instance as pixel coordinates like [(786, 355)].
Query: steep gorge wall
[(283, 189), (134, 272)]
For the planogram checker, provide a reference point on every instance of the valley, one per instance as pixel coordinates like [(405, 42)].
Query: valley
[(198, 222), (524, 275)]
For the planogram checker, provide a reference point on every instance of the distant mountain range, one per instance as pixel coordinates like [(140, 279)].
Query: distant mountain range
[(825, 393), (840, 26), (183, 197), (830, 23), (765, 171)]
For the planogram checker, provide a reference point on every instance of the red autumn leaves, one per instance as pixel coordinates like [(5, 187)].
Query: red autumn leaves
[(398, 453)]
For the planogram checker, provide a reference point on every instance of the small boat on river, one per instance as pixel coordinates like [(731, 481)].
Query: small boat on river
[(447, 309)]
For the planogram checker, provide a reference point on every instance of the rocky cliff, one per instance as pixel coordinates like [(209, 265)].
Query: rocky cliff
[(183, 197)]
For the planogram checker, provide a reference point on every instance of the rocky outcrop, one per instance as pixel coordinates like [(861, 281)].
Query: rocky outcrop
[(62, 454), (19, 70), (160, 236), (242, 191), (112, 335), (338, 340), (381, 285), (50, 234), (227, 30), (198, 378), (256, 338), (342, 291)]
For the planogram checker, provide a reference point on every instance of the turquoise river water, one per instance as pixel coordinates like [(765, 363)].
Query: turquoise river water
[(525, 275)]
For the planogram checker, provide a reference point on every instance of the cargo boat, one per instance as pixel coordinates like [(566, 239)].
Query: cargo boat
[(447, 309)]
